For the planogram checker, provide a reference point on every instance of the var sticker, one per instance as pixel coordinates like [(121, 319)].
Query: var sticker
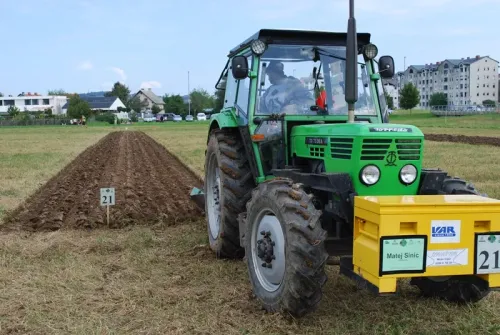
[(447, 257), (445, 231)]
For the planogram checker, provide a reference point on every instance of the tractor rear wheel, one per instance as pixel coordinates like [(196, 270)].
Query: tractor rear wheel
[(228, 186), (459, 289), (284, 248)]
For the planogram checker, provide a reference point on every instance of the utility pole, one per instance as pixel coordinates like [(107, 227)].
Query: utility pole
[(189, 97)]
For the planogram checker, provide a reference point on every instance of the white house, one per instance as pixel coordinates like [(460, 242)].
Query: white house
[(34, 103), (104, 104)]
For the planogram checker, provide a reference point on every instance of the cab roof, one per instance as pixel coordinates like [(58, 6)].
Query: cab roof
[(298, 37)]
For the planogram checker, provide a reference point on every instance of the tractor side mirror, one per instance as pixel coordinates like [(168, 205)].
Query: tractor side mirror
[(239, 67), (386, 67)]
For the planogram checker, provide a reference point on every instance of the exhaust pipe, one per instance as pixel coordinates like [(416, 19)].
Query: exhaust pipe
[(351, 95)]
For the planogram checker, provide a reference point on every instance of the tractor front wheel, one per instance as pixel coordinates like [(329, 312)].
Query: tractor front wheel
[(458, 289), (284, 248)]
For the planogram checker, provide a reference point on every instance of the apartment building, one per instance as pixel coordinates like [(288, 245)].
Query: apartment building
[(391, 88), (33, 102), (466, 81)]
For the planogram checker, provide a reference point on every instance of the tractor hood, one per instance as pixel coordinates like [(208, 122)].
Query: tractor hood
[(357, 129), (351, 147)]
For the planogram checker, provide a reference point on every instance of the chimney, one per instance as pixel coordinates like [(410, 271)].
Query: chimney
[(477, 57)]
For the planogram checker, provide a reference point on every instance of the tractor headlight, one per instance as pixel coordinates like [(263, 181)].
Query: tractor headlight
[(370, 175), (370, 51), (258, 47), (408, 174)]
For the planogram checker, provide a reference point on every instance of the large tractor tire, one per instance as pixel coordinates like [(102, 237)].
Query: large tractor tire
[(457, 289), (228, 186), (284, 248)]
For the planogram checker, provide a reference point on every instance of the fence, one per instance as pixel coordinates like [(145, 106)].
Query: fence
[(34, 122), (461, 110)]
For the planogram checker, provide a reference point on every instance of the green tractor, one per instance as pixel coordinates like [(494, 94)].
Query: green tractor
[(303, 134)]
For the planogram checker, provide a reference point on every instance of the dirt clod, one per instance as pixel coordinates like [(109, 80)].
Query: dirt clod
[(151, 185), (484, 140)]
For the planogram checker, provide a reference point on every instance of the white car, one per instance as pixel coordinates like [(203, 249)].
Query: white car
[(201, 117), (177, 118), (149, 118), (189, 118)]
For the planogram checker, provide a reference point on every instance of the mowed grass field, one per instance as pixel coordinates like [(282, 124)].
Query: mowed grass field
[(164, 280)]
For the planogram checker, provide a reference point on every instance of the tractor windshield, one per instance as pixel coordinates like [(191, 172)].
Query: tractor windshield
[(309, 80)]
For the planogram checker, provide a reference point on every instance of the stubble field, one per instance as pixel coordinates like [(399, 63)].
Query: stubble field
[(153, 274)]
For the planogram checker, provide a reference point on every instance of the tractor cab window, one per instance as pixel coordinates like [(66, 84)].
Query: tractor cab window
[(299, 79)]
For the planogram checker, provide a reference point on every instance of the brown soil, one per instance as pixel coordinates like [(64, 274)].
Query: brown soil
[(151, 187), (495, 141)]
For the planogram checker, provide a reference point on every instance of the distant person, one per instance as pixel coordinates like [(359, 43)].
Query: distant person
[(83, 121)]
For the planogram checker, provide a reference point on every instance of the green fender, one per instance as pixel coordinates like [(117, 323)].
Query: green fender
[(223, 119)]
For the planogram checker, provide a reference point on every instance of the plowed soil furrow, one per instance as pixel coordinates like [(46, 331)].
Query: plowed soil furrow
[(150, 184), (476, 140)]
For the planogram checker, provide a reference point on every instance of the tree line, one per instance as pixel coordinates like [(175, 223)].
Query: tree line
[(200, 99)]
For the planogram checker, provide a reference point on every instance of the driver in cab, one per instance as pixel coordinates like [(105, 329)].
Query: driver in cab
[(286, 93)]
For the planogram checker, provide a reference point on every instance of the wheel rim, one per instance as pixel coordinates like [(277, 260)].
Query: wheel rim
[(268, 251), (213, 197)]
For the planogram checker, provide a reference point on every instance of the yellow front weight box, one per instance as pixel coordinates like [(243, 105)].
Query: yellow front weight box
[(425, 236)]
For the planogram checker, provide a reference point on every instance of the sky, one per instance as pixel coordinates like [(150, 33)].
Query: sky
[(87, 45)]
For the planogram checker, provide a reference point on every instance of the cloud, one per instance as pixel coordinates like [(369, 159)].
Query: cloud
[(107, 86), (120, 73), (461, 31), (150, 84), (85, 65)]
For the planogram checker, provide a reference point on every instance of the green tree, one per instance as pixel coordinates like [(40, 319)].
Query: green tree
[(57, 92), (409, 96), (13, 111), (438, 99), (136, 104), (155, 109), (175, 104), (1, 94), (390, 100), (201, 99), (78, 107), (219, 96), (120, 91), (489, 103)]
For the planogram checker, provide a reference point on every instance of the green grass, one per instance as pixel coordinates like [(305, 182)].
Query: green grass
[(487, 124), (165, 280)]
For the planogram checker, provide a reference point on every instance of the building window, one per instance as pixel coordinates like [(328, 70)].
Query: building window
[(27, 102), (34, 101), (46, 101), (478, 94)]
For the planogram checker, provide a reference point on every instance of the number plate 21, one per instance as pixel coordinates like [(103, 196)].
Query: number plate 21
[(107, 196), (487, 258)]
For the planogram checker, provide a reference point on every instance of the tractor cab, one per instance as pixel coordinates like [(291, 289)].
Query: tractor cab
[(279, 80)]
